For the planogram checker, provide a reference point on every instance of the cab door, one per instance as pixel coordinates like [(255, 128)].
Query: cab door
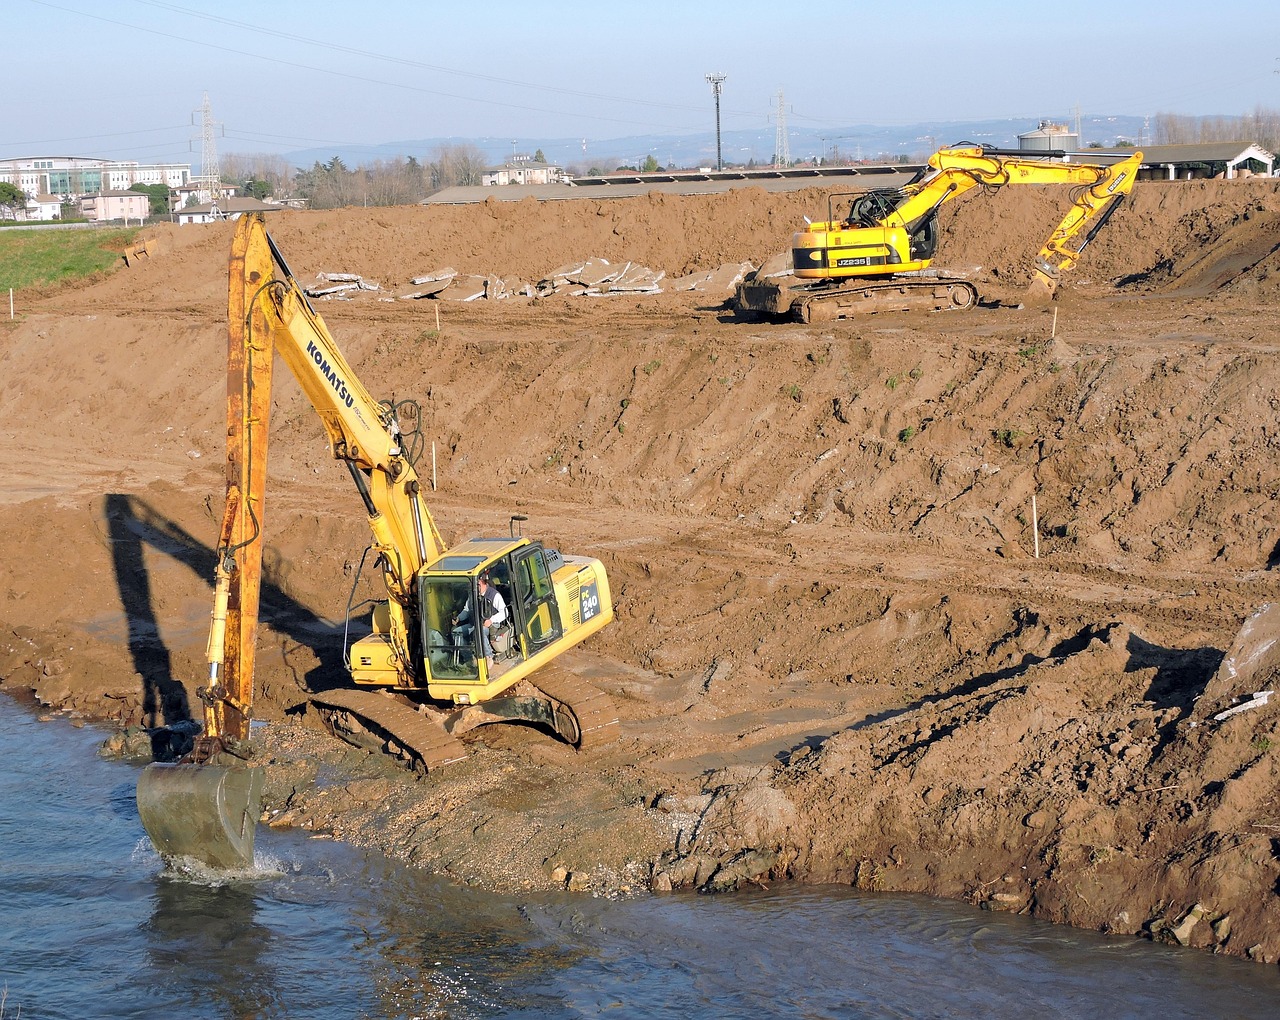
[(537, 615)]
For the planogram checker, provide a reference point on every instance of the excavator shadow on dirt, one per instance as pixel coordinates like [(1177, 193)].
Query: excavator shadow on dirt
[(134, 525)]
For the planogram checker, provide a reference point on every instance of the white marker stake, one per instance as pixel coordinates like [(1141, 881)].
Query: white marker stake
[(1035, 524)]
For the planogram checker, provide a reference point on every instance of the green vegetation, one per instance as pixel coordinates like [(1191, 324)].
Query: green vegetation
[(793, 391), (157, 197), (1009, 437), (892, 381), (652, 367), (907, 434), (41, 256)]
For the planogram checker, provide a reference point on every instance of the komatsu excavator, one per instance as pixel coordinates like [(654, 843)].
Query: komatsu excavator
[(877, 257), (205, 807)]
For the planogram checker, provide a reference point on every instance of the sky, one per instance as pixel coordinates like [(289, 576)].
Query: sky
[(126, 79)]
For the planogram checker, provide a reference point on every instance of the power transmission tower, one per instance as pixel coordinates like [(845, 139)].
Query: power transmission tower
[(716, 81), (781, 144), (209, 168)]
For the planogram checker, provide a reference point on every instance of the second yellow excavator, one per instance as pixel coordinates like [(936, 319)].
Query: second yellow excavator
[(877, 257)]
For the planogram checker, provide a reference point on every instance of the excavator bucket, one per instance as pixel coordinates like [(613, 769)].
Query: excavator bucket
[(204, 812), (1041, 291)]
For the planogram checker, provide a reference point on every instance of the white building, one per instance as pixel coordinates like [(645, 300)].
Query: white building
[(522, 170), (45, 207), (73, 177)]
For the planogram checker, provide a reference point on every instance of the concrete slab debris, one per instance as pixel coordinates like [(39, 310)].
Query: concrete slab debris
[(597, 277), (428, 288), (330, 291), (776, 265), (1259, 699), (726, 278), (439, 276), (465, 288), (338, 283)]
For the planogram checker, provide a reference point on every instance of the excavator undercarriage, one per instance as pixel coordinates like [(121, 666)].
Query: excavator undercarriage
[(824, 300)]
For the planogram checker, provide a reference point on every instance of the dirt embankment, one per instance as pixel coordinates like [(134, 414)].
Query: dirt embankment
[(837, 656)]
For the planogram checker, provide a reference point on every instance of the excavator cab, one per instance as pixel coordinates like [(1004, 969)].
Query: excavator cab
[(521, 574)]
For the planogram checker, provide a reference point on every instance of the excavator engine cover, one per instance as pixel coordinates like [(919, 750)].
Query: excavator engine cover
[(204, 812)]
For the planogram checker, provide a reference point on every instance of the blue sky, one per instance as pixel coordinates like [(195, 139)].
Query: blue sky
[(125, 78)]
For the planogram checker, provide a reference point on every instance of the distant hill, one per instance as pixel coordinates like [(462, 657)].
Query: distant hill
[(857, 141)]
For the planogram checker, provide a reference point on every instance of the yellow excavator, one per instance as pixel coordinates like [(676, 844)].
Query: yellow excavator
[(877, 257), (429, 670)]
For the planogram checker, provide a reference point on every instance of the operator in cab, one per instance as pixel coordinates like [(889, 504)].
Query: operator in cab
[(492, 611)]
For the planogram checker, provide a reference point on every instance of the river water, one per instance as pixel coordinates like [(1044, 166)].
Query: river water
[(91, 925)]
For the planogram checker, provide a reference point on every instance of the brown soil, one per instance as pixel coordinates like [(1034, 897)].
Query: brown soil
[(836, 655)]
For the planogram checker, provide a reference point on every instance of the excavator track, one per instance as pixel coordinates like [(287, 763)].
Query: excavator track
[(378, 722), (593, 711), (823, 302)]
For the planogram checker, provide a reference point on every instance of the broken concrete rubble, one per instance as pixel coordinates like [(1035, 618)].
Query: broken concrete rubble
[(596, 277), (592, 277), (339, 284), (719, 280)]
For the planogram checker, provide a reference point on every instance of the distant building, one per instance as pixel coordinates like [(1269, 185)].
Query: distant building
[(73, 177), (522, 170), (115, 205), (44, 207), (1049, 136), (223, 209), (1193, 161)]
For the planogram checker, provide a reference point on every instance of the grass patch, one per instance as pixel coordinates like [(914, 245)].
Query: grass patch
[(37, 258), (1010, 437)]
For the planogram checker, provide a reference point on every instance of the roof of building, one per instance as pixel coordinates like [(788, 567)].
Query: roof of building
[(118, 194), (1202, 152), (684, 183), (229, 205)]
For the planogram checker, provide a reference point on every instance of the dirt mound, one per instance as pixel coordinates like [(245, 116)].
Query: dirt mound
[(837, 655)]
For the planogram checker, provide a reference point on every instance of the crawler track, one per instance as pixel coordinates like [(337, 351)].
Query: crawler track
[(592, 709), (381, 722), (823, 302)]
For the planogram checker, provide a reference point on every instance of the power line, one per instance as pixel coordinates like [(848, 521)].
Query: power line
[(369, 80)]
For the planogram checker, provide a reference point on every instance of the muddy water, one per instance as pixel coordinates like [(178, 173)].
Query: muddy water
[(91, 925)]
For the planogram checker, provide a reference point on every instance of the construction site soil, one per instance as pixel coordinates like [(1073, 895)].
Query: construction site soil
[(837, 655)]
